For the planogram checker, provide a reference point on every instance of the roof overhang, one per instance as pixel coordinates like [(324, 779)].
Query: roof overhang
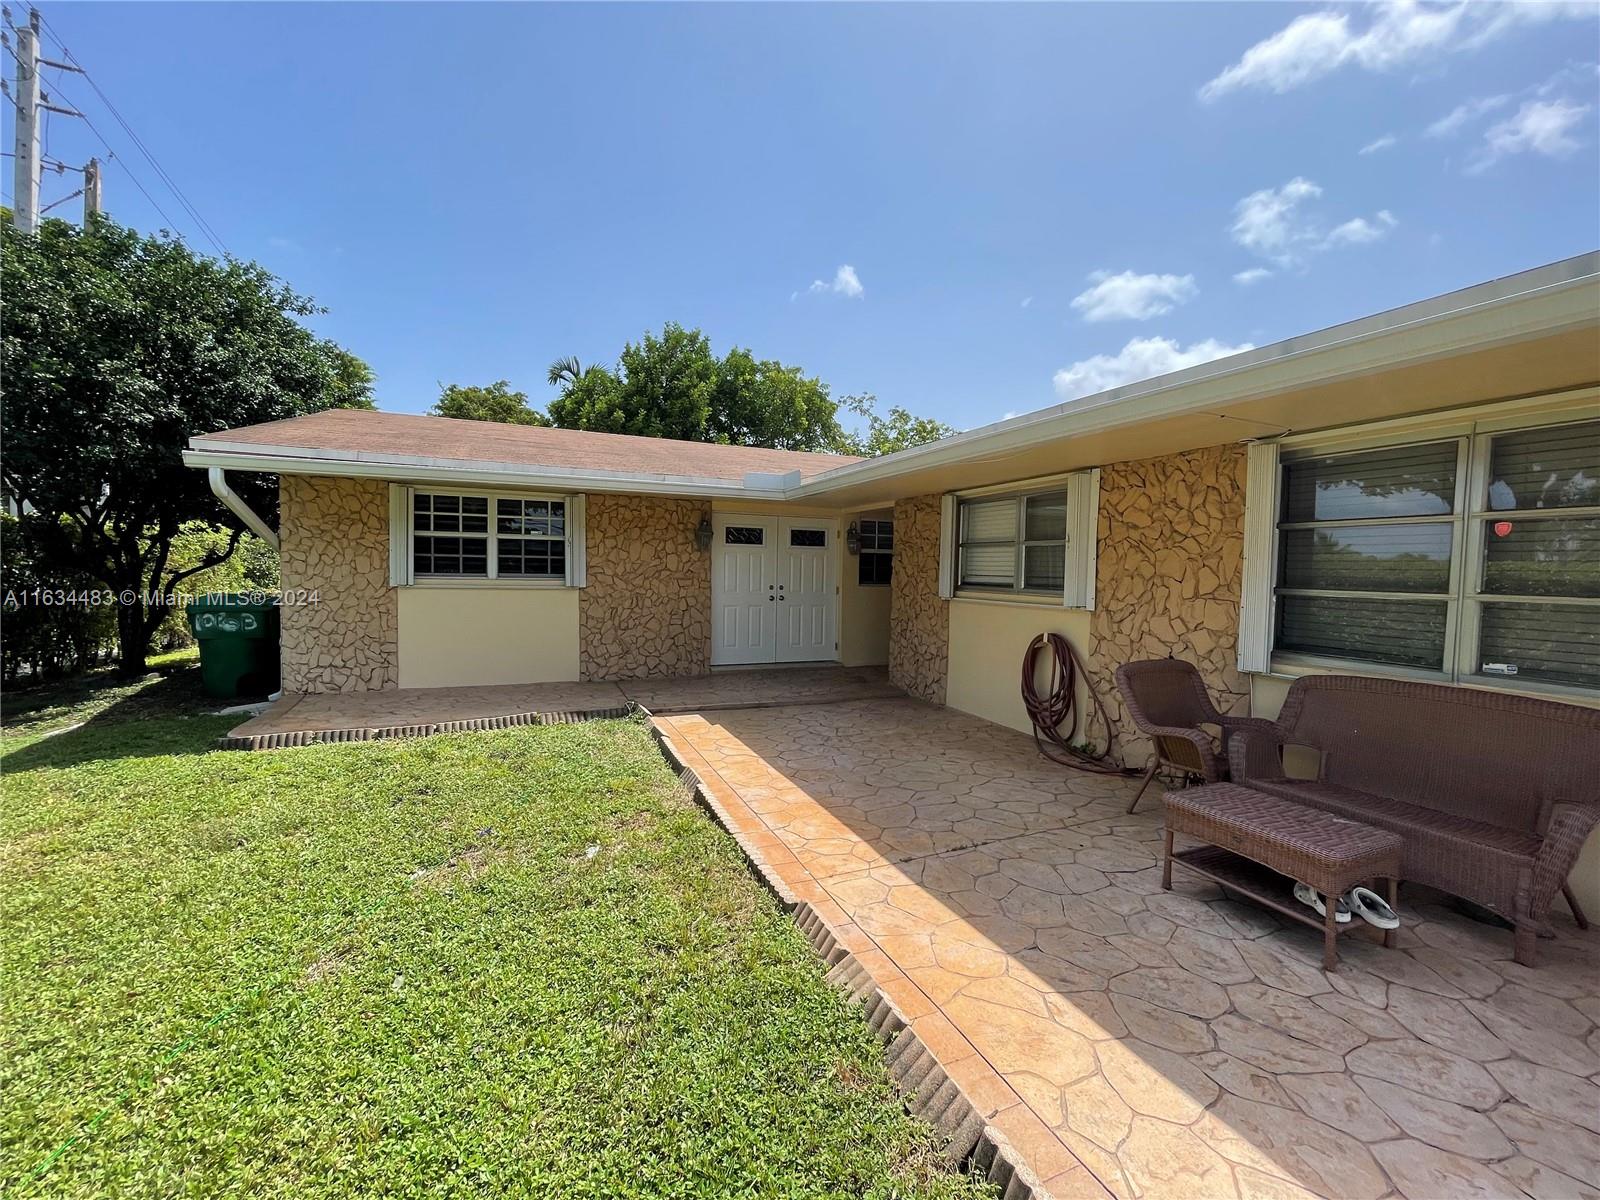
[(1537, 331), (407, 468)]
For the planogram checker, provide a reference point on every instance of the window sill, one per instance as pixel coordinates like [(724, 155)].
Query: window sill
[(1025, 599), (1289, 669), (519, 584)]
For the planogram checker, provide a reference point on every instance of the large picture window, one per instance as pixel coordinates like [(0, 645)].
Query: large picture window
[(1475, 556), (1014, 543), (454, 537)]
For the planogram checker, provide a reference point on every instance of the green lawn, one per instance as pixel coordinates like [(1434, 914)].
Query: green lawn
[(516, 963)]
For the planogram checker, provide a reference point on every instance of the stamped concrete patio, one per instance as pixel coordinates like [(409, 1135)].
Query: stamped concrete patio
[(1148, 1043)]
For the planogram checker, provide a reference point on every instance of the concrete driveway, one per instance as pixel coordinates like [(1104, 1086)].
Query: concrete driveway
[(1148, 1043)]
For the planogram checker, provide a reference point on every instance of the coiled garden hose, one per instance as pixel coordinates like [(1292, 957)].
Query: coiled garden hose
[(1057, 707)]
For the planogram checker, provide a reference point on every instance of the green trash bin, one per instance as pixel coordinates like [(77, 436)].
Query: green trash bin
[(238, 636)]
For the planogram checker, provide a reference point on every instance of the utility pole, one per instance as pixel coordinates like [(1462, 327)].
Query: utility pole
[(91, 190), (25, 183)]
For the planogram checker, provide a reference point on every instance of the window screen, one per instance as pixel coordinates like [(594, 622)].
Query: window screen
[(1360, 539), (1018, 543), (1379, 563)]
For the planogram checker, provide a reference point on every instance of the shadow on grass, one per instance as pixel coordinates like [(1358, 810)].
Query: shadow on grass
[(102, 716)]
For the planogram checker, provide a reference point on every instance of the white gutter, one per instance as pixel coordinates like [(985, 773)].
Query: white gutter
[(408, 468), (237, 506)]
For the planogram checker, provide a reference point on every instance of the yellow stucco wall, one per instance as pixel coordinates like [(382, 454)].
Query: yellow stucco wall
[(1267, 694), (987, 641), (468, 636), (863, 619), (863, 611)]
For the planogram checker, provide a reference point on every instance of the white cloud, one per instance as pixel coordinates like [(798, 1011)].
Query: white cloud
[(1539, 127), (1275, 224), (845, 283), (1377, 144), (1269, 221), (1027, 302), (1463, 114), (1358, 231), (1141, 358), (1396, 35), (1251, 276), (1131, 297)]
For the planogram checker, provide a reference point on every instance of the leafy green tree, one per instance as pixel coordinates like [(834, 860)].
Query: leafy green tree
[(764, 403), (497, 402), (118, 349), (673, 386), (663, 387), (884, 435), (42, 641)]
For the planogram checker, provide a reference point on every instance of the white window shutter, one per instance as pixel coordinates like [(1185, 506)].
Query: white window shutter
[(947, 547), (399, 535), (577, 541), (1083, 534), (1260, 551)]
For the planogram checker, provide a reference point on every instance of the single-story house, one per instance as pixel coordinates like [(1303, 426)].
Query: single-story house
[(1416, 493)]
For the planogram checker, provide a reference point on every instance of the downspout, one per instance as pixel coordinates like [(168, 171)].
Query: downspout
[(237, 506), (252, 520)]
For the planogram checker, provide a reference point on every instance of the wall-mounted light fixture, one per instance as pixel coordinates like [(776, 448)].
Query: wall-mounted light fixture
[(702, 534), (852, 539)]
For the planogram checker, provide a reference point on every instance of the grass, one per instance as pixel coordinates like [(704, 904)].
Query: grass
[(514, 963), (169, 687)]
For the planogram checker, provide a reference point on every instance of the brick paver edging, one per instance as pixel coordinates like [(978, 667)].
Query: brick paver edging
[(314, 737), (974, 1144)]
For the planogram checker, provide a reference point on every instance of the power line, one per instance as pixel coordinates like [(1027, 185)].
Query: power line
[(111, 156), (161, 172)]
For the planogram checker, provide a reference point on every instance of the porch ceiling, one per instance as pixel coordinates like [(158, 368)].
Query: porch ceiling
[(1160, 1043)]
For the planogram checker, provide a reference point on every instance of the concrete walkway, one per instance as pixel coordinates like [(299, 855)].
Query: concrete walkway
[(1144, 1043), (397, 712)]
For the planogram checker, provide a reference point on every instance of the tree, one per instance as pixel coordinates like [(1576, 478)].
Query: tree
[(663, 387), (884, 435), (764, 403), (118, 349), (673, 386), (497, 402)]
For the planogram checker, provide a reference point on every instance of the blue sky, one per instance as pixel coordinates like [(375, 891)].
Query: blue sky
[(968, 210)]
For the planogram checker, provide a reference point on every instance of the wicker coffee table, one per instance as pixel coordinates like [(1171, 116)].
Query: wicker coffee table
[(1258, 845)]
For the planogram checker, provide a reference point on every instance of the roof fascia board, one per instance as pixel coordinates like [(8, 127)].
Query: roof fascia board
[(283, 460), (1361, 348)]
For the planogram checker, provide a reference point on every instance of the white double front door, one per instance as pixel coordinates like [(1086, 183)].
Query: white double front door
[(773, 592)]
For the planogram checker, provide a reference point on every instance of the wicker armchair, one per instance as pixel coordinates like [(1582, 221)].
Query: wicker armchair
[(1167, 701)]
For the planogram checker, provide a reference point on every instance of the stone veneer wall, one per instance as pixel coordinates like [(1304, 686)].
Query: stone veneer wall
[(919, 621), (1169, 569), (334, 540), (647, 609)]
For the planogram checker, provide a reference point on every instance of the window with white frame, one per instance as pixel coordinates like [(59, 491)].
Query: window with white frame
[(1013, 543), (488, 537), (1474, 556), (875, 565)]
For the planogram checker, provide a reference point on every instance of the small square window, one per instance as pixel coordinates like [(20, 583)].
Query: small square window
[(808, 537), (875, 570), (744, 535)]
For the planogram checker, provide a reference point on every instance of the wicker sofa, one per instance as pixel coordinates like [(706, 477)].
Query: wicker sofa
[(1493, 794)]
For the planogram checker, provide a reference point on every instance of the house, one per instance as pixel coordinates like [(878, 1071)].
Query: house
[(1414, 493)]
